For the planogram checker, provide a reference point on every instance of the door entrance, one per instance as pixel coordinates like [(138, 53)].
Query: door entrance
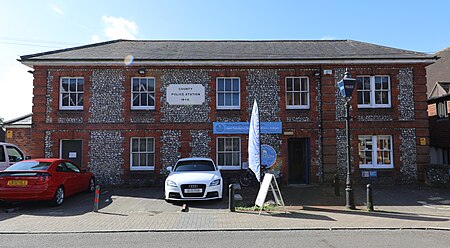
[(72, 150), (298, 156)]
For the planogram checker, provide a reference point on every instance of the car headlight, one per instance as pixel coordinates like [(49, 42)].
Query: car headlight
[(215, 182), (171, 183)]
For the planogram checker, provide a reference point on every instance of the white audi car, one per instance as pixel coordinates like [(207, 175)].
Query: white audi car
[(193, 179)]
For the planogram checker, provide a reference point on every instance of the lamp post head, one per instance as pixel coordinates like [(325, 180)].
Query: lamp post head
[(346, 85)]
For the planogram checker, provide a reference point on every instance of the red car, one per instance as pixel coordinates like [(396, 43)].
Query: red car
[(46, 179)]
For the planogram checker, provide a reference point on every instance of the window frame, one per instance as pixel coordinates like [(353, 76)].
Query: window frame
[(140, 92), (232, 92), (61, 106), (239, 153), (373, 90), (374, 157), (441, 110), (142, 167), (301, 91)]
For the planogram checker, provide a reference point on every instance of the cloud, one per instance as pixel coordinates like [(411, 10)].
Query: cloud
[(119, 28), (95, 38), (56, 9)]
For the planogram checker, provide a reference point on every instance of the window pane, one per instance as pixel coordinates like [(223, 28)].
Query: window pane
[(236, 145), (366, 83), (150, 159), (304, 98), (134, 145), (228, 145), (80, 99), (221, 158), (135, 84), (221, 99), (72, 99), (304, 84), (80, 83), (236, 159), (289, 84), (135, 99), (220, 84), (150, 145), (228, 99), (236, 84), (289, 99), (65, 99), (235, 99), (151, 99), (151, 85), (220, 144), (73, 84), (228, 84), (385, 83), (228, 159), (135, 159), (359, 83), (296, 84), (64, 85), (143, 85), (366, 97), (360, 97), (142, 159), (142, 145), (296, 98), (144, 99), (377, 83)]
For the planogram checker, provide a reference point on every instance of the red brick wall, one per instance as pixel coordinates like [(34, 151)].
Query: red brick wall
[(21, 137)]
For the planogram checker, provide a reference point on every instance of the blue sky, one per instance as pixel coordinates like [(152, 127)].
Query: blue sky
[(34, 26)]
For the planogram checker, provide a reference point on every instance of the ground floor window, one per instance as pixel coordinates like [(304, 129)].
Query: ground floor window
[(142, 154), (375, 151), (229, 152)]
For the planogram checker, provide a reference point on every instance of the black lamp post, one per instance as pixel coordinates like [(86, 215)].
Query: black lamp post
[(346, 86)]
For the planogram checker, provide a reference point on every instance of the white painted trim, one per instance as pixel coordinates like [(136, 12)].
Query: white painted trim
[(307, 92), (231, 107), (228, 167), (227, 63), (131, 98), (142, 168)]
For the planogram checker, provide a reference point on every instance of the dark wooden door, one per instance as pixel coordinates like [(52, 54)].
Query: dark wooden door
[(298, 161)]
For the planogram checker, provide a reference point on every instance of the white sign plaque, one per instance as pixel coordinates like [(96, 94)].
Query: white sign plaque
[(185, 94)]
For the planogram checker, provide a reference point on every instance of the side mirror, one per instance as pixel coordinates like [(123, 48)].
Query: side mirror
[(169, 168), (83, 170)]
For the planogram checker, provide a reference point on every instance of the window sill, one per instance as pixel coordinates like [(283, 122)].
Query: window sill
[(225, 167), (366, 166), (147, 168)]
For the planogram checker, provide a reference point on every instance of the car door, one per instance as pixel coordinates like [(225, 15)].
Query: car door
[(75, 180), (13, 155)]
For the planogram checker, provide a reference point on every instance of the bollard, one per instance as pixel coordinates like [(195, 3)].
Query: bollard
[(231, 198), (96, 198), (369, 198), (337, 191)]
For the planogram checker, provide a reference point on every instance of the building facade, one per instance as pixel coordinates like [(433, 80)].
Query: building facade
[(18, 132), (128, 109)]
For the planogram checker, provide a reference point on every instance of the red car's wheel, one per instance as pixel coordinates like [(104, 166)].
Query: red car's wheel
[(58, 199)]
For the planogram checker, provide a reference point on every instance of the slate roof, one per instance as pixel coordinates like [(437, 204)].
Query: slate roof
[(170, 50), (440, 70)]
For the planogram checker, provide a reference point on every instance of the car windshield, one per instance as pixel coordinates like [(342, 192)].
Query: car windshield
[(194, 165), (29, 166)]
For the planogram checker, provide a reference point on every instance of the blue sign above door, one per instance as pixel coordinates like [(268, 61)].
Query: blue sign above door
[(243, 127)]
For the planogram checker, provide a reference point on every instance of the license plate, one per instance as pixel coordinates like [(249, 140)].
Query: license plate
[(193, 191), (21, 183)]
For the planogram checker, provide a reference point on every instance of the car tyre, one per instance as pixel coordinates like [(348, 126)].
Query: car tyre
[(91, 186), (59, 196)]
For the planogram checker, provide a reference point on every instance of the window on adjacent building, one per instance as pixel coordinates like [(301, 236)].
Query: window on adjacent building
[(374, 91), (142, 93), (297, 93), (71, 93), (142, 154), (375, 151), (442, 111), (229, 152), (228, 93)]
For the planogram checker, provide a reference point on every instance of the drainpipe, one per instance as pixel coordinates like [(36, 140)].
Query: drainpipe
[(320, 123)]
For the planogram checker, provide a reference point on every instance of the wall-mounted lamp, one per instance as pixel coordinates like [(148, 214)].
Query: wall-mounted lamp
[(31, 71), (142, 71)]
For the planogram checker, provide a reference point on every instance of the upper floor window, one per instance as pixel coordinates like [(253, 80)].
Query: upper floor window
[(374, 91), (228, 93), (142, 154), (375, 151), (442, 111), (297, 93), (142, 93), (71, 93)]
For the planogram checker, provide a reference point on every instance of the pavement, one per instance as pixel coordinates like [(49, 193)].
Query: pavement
[(312, 207)]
